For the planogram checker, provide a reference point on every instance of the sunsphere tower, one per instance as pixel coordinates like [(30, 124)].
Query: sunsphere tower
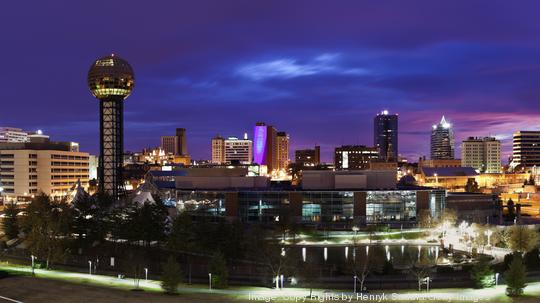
[(111, 80)]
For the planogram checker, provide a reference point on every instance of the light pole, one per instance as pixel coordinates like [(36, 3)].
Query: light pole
[(209, 281), (281, 281), (355, 277), (33, 260), (89, 267), (146, 273)]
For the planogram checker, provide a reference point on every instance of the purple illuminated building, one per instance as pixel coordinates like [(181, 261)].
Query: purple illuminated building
[(265, 145), (259, 138)]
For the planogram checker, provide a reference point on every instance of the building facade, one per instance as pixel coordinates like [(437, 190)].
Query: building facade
[(482, 154), (282, 151), (256, 200), (53, 168), (307, 157), (265, 148), (385, 136), (238, 150), (355, 156), (181, 141), (442, 141), (526, 149), (169, 144), (14, 135), (218, 150)]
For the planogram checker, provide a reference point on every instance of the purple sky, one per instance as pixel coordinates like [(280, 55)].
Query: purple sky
[(318, 70)]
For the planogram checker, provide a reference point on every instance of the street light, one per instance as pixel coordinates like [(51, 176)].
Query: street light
[(210, 281), (89, 267), (146, 274), (355, 277), (33, 260)]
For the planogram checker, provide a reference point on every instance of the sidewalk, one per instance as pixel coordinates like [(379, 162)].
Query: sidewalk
[(456, 294)]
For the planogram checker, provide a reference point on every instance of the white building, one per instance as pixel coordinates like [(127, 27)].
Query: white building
[(12, 134), (238, 150), (232, 150), (482, 154)]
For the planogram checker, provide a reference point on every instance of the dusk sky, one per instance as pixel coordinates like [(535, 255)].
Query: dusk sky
[(319, 70)]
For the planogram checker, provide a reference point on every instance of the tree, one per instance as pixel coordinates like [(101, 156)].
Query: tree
[(91, 218), (182, 236), (364, 262), (10, 222), (425, 220), (146, 223), (421, 267), (522, 238), (516, 277), (482, 274), (449, 216), (276, 258), (172, 276), (47, 224), (308, 273), (135, 265), (218, 269)]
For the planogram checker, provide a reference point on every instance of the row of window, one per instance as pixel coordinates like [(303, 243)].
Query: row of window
[(56, 163), (66, 157)]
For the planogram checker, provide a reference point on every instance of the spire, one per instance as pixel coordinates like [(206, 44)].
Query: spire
[(443, 121)]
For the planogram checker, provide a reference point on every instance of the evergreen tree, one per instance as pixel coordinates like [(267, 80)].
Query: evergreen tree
[(516, 277), (10, 222), (172, 276), (482, 275)]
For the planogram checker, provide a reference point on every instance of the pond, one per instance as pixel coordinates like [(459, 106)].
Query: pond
[(401, 256)]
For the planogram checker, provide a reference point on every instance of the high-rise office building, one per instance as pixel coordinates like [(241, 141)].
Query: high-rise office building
[(111, 80), (307, 157), (169, 144), (482, 154), (355, 156), (218, 150), (238, 150), (526, 149), (442, 141), (385, 136), (181, 142), (282, 151), (265, 146), (27, 168)]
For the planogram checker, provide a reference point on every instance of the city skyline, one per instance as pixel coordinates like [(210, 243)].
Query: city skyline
[(201, 65)]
